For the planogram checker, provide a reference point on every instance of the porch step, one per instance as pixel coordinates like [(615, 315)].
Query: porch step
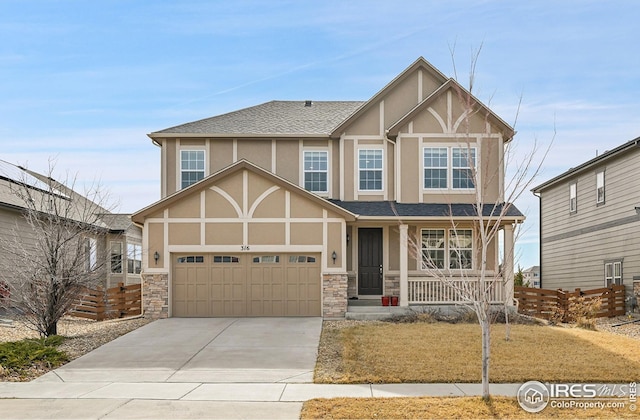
[(374, 312)]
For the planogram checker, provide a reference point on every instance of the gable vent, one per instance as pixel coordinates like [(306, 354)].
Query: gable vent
[(308, 103)]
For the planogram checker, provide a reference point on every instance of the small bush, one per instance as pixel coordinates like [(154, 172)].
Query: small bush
[(583, 311), (19, 356)]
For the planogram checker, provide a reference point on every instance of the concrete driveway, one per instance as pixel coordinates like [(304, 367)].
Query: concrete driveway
[(224, 350)]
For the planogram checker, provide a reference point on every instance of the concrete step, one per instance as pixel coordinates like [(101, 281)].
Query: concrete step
[(365, 313)]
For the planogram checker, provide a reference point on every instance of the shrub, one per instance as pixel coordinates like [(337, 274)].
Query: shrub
[(19, 356), (583, 311)]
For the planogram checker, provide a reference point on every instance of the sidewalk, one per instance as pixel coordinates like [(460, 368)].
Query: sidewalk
[(48, 398)]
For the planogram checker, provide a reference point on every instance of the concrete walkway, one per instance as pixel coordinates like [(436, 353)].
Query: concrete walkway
[(200, 369)]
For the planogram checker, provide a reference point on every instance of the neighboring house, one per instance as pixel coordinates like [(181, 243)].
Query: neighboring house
[(291, 208), (531, 276), (121, 246), (590, 222)]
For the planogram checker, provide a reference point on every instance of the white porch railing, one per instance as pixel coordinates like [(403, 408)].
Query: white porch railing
[(435, 291)]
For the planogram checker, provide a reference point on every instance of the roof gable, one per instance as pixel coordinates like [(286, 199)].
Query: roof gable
[(240, 165)]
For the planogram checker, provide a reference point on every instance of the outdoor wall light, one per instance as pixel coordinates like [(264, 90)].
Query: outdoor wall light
[(156, 257), (334, 256), (348, 239)]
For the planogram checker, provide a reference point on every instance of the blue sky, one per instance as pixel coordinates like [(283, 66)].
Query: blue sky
[(83, 82)]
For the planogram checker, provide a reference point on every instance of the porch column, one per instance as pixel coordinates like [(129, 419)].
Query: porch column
[(507, 267), (404, 266)]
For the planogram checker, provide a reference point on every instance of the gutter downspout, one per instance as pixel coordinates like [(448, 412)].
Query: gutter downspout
[(539, 233)]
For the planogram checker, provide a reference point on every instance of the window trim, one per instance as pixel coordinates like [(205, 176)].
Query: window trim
[(381, 170), (573, 197), (181, 170), (111, 255), (449, 235), (475, 150), (446, 168), (613, 278), (303, 170), (600, 198), (137, 252)]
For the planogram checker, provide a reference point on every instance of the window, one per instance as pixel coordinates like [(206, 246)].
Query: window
[(90, 254), (301, 259), (613, 273), (191, 259), (370, 169), (316, 171), (191, 167), (116, 257), (600, 187), (435, 167), (134, 258), (225, 259), (454, 252), (573, 198), (267, 259), (433, 248), (462, 162), (461, 249)]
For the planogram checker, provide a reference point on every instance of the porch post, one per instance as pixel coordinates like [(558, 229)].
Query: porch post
[(404, 266), (507, 267)]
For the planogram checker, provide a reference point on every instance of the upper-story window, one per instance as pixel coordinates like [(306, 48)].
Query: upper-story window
[(191, 167), (573, 198), (451, 168), (463, 162), (316, 171), (370, 169), (600, 187), (436, 167)]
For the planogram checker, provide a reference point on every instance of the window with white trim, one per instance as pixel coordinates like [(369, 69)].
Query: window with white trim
[(436, 166), (134, 258), (463, 160), (316, 171), (370, 169), (612, 273), (90, 254), (191, 167), (600, 187), (573, 198), (116, 257), (433, 249), (451, 249)]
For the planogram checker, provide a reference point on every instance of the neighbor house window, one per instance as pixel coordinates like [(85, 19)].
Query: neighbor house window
[(116, 257), (90, 254), (461, 249), (613, 273), (370, 169), (573, 198), (191, 167), (134, 258), (463, 160), (436, 167), (600, 187), (433, 251), (316, 171)]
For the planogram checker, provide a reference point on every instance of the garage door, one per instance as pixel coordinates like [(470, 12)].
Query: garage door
[(238, 285)]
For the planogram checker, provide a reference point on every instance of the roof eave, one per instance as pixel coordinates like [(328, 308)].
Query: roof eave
[(161, 135)]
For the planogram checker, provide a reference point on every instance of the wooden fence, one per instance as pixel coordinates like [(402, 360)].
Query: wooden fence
[(117, 302), (544, 303)]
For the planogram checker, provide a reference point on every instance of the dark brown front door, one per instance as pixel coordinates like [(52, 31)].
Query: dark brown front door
[(370, 261)]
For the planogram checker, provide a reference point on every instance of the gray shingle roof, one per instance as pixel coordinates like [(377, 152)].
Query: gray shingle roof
[(386, 209), (275, 117)]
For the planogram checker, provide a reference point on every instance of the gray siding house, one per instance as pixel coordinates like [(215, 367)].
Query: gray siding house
[(590, 223)]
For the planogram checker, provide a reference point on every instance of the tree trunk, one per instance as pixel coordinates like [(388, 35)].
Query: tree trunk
[(52, 329), (485, 325)]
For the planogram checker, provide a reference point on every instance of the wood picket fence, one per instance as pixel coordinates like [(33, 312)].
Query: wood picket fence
[(116, 302), (543, 303)]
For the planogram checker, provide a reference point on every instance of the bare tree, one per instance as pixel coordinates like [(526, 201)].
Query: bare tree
[(56, 251), (474, 281)]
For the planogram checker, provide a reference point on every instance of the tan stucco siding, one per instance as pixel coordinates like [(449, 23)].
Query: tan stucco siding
[(401, 99), (347, 174), (156, 240), (288, 160), (410, 183), (257, 152), (220, 154), (302, 208), (170, 164), (267, 233), (184, 233), (394, 248), (223, 233), (188, 207), (367, 124), (216, 205), (272, 205), (306, 233), (334, 243)]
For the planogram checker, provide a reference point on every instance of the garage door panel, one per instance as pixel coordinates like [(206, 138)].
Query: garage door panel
[(247, 285)]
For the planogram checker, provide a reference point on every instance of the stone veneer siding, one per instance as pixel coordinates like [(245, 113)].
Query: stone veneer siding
[(392, 286), (636, 293), (334, 292), (155, 295)]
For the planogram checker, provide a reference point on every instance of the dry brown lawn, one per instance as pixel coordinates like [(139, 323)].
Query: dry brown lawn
[(443, 408), (440, 352)]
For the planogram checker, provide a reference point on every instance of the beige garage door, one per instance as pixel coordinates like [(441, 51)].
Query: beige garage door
[(238, 285)]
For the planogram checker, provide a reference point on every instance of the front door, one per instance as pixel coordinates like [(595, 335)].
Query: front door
[(370, 261)]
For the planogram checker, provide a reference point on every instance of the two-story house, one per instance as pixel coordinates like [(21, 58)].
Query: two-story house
[(590, 223), (291, 208)]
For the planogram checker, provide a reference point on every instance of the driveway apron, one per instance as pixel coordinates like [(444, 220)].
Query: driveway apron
[(224, 350)]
